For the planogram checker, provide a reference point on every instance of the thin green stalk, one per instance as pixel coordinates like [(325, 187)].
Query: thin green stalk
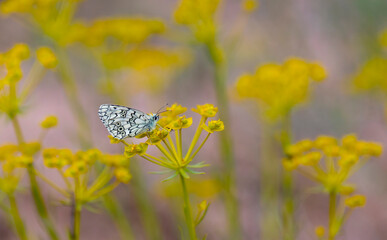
[(76, 215), (17, 220), (229, 183), (187, 210), (288, 219), (270, 171), (332, 215), (195, 138), (198, 149)]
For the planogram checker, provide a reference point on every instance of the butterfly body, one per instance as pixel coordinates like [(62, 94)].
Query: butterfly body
[(123, 122)]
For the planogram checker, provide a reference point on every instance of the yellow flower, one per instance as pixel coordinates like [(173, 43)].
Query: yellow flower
[(157, 135), (372, 76), (214, 126), (122, 175), (49, 122), (7, 150), (355, 201), (206, 110), (199, 16), (134, 149), (279, 88), (181, 122), (114, 140), (319, 231), (290, 164), (317, 72), (309, 159), (299, 148), (19, 51), (249, 5), (46, 57), (347, 189), (174, 110), (323, 141), (30, 149), (349, 142), (369, 148)]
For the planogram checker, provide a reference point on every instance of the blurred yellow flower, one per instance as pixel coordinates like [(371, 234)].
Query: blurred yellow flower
[(340, 161), (206, 110), (49, 122), (199, 16), (249, 5), (320, 231), (279, 88), (372, 76), (122, 175), (355, 201), (46, 57)]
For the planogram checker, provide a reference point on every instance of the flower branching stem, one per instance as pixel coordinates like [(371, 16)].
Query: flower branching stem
[(187, 210)]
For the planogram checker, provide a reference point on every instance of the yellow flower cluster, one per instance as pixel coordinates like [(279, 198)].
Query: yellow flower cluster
[(58, 23), (125, 30), (12, 60), (372, 76), (81, 162), (199, 16), (279, 88), (10, 64), (339, 159), (330, 163), (13, 157)]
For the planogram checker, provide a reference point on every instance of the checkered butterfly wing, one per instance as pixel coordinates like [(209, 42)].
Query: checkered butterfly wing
[(123, 122)]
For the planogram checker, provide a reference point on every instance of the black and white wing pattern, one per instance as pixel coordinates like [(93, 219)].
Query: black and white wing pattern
[(123, 122)]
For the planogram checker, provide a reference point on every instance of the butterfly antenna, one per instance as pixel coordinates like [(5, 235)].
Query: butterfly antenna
[(158, 111)]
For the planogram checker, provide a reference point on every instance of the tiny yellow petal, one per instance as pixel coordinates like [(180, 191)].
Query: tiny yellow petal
[(355, 201), (46, 57), (49, 122)]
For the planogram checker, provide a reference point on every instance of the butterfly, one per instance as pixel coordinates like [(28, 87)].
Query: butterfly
[(123, 122)]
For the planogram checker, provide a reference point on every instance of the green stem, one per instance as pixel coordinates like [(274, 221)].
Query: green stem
[(77, 207), (188, 211), (287, 183), (229, 183), (17, 220), (269, 172), (332, 215), (200, 147)]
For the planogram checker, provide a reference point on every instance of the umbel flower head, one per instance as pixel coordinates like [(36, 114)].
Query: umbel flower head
[(170, 147), (77, 167), (279, 88), (329, 162)]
